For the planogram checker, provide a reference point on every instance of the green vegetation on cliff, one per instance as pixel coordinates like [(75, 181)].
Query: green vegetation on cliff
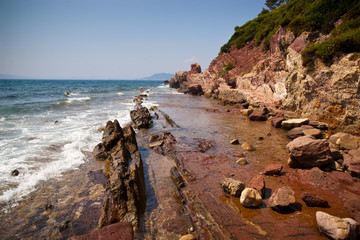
[(305, 15)]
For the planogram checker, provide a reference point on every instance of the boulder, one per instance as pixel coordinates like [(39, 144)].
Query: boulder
[(292, 123), (195, 68), (195, 89), (258, 116), (174, 83), (312, 200), (250, 197), (337, 228), (247, 147), (112, 134), (306, 152), (276, 121), (333, 139), (118, 231), (352, 162), (258, 183), (273, 169), (304, 130), (282, 199), (232, 186), (141, 117)]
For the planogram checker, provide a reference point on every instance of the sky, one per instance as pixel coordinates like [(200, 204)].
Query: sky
[(115, 39)]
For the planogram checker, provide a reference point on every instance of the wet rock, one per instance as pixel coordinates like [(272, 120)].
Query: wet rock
[(282, 199), (187, 237), (242, 161), (307, 152), (276, 121), (235, 141), (153, 108), (166, 82), (250, 198), (100, 153), (15, 173), (247, 147), (203, 145), (258, 116), (118, 231), (141, 117), (312, 200), (48, 207), (164, 144), (352, 162), (292, 123), (258, 183), (273, 169), (246, 112), (337, 228), (112, 134), (195, 89), (232, 186), (176, 177)]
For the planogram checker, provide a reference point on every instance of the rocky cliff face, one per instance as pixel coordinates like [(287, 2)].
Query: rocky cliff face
[(277, 78)]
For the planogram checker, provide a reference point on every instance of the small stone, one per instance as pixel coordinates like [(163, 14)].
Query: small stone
[(187, 237), (48, 207), (238, 154), (235, 141), (242, 161), (232, 186), (258, 116), (156, 144), (247, 147), (250, 198), (312, 200), (273, 169), (15, 173), (337, 228), (282, 198), (246, 112), (258, 183)]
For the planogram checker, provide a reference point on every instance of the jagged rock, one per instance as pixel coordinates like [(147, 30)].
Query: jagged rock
[(242, 161), (312, 200), (276, 121), (195, 89), (100, 153), (337, 228), (258, 116), (352, 162), (125, 197), (118, 231), (15, 173), (247, 147), (282, 198), (141, 117), (176, 177), (195, 68), (166, 82), (250, 198), (246, 112), (273, 169), (307, 152), (258, 183), (232, 186), (292, 123)]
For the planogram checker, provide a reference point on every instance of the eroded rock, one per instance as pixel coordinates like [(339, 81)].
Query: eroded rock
[(232, 186), (141, 117)]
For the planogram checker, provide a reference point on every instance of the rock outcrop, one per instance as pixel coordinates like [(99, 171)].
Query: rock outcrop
[(141, 117), (125, 192)]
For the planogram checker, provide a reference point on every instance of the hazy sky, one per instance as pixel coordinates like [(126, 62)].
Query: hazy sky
[(102, 39)]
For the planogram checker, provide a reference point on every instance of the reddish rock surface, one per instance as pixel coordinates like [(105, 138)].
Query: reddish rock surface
[(273, 169), (312, 200), (258, 183), (276, 121), (116, 231), (282, 199), (352, 162), (258, 116)]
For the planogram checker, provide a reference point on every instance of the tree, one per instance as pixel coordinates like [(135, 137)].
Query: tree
[(272, 4)]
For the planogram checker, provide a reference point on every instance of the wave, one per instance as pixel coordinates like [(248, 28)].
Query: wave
[(120, 93), (79, 99)]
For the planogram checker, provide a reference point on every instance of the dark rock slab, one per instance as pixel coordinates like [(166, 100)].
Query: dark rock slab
[(312, 200)]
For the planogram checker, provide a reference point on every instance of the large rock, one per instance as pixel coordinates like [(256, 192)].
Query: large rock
[(352, 162), (258, 183), (282, 199), (312, 200), (116, 231), (348, 142), (195, 89), (250, 198), (304, 130), (232, 186), (291, 123), (141, 117), (306, 152), (195, 68), (337, 228)]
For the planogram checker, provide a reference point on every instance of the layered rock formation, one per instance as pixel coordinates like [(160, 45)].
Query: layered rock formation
[(277, 78)]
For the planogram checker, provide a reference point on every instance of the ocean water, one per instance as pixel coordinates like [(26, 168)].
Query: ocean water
[(44, 132)]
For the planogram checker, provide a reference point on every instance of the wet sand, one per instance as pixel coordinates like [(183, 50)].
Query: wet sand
[(76, 198)]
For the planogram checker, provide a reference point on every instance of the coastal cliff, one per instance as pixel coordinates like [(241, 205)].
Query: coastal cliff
[(284, 72)]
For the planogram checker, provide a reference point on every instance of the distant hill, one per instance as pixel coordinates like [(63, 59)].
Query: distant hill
[(159, 76)]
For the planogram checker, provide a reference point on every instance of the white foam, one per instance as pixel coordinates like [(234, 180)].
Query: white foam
[(120, 93), (2, 119), (79, 99)]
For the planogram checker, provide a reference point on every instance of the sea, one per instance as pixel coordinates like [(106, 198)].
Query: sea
[(47, 125)]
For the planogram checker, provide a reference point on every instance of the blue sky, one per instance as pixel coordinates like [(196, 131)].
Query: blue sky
[(116, 39)]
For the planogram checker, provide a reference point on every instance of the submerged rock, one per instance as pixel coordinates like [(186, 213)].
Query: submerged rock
[(312, 200), (15, 173), (337, 228), (282, 199), (250, 198), (242, 161), (232, 186), (307, 152)]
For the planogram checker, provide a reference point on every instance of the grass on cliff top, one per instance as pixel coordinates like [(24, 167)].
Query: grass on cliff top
[(305, 15)]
